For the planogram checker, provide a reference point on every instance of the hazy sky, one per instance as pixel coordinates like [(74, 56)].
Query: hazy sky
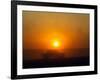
[(41, 28)]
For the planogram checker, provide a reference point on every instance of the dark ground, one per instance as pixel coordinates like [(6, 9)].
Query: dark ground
[(56, 63), (49, 59)]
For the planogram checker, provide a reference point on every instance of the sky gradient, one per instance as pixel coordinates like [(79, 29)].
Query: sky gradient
[(40, 29)]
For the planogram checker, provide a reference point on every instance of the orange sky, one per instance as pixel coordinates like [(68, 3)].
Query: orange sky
[(40, 29)]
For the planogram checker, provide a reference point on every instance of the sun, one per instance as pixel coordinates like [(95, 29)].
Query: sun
[(56, 44)]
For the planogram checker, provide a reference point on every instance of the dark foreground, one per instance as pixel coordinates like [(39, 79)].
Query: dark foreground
[(36, 59), (56, 63)]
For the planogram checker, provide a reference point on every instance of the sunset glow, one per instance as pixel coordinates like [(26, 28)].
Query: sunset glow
[(45, 32)]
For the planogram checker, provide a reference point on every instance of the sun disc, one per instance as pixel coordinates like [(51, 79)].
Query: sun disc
[(56, 44)]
